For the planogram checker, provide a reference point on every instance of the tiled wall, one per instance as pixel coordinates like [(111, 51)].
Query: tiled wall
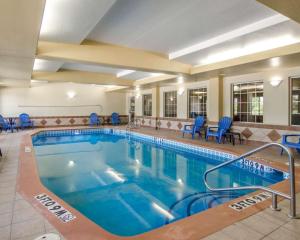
[(64, 121), (259, 132)]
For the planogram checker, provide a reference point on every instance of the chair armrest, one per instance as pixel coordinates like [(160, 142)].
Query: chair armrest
[(212, 127), (188, 125), (285, 136)]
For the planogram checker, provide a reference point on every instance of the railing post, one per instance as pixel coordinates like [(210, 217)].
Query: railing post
[(292, 187), (275, 202)]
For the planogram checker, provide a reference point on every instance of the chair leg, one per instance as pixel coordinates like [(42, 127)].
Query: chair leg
[(183, 134)]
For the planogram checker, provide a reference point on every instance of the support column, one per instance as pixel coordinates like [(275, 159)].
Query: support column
[(157, 106), (220, 95), (215, 99)]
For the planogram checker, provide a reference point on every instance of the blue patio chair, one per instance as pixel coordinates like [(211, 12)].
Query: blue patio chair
[(295, 145), (194, 128), (25, 121), (94, 119), (6, 125), (223, 127), (115, 119)]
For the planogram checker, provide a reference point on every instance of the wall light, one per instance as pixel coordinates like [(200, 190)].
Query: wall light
[(71, 94), (275, 81), (137, 95), (180, 80), (181, 91), (275, 62)]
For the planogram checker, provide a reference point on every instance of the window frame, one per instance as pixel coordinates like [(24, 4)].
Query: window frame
[(164, 102), (232, 101), (188, 100), (290, 101), (143, 101)]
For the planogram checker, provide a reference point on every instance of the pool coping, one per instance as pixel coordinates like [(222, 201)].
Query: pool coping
[(212, 220)]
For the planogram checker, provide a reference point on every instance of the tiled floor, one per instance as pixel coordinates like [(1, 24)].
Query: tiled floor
[(19, 220), (272, 154)]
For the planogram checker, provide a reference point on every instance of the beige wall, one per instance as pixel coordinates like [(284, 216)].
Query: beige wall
[(52, 100), (276, 99)]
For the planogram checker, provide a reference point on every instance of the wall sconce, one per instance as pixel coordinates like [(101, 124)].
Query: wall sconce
[(180, 80), (275, 62), (181, 91), (71, 94), (275, 81), (137, 95)]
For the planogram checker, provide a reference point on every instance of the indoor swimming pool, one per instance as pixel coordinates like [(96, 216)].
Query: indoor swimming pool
[(115, 177)]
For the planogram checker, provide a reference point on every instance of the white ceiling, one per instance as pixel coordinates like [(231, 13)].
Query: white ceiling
[(90, 68), (169, 25), (161, 26), (284, 32), (19, 28), (70, 21)]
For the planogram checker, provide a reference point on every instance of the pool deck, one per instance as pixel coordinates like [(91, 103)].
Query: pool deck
[(20, 220)]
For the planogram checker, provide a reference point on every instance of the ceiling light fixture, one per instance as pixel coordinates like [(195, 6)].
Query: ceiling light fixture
[(264, 23)]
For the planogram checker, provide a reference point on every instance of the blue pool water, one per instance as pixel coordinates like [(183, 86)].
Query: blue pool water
[(129, 185)]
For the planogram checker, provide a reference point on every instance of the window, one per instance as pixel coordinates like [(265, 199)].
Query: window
[(147, 104), (248, 100), (197, 102), (170, 103), (132, 104), (295, 101)]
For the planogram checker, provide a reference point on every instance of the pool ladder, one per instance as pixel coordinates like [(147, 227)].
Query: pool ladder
[(291, 196)]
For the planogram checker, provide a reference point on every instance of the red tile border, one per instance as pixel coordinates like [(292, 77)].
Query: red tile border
[(191, 228)]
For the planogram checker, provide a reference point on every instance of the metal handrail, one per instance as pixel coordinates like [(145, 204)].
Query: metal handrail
[(291, 196)]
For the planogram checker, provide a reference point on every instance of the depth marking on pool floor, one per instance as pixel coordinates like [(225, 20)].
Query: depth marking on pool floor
[(55, 208), (250, 201)]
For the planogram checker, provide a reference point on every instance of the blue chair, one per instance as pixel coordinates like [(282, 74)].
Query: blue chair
[(25, 121), (6, 125), (94, 119), (223, 127), (295, 145), (194, 128), (115, 119)]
